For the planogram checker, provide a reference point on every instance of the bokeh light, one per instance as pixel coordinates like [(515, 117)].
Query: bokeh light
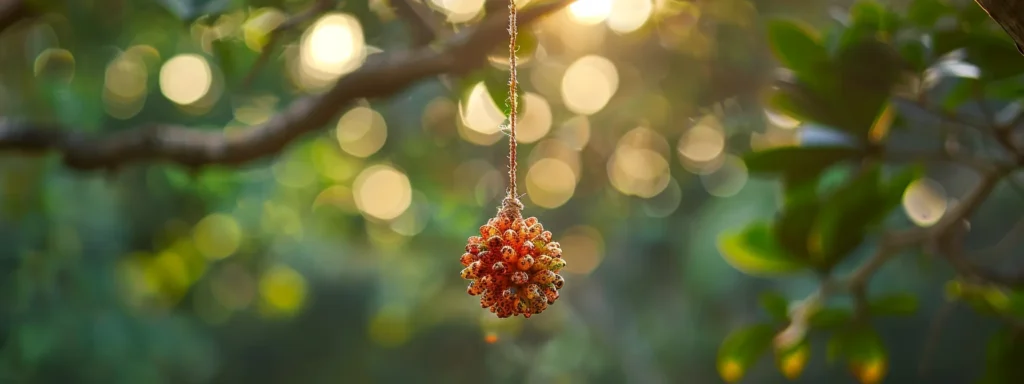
[(333, 46), (382, 192), (282, 290), (459, 11), (583, 247), (217, 236), (361, 131), (703, 142), (589, 12), (638, 166), (727, 179), (185, 79), (535, 120), (55, 63), (588, 84), (125, 83), (627, 16), (479, 112), (925, 201), (256, 30), (550, 183)]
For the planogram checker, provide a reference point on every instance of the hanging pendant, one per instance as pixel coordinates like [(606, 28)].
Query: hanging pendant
[(513, 265)]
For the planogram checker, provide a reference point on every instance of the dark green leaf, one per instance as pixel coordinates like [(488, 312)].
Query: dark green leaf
[(924, 13), (798, 48), (793, 225), (791, 361), (775, 305), (1003, 358), (894, 305), (866, 87), (798, 162), (842, 223), (863, 351), (753, 250), (829, 318), (741, 349)]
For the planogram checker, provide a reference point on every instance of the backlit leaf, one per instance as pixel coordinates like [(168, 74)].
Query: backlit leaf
[(754, 251), (741, 349)]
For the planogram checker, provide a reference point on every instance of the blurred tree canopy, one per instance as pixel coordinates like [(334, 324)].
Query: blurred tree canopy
[(199, 191)]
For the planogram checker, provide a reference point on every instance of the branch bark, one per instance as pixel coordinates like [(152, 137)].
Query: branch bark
[(1009, 14), (382, 75), (13, 11)]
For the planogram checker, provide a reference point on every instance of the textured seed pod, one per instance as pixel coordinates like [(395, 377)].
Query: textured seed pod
[(543, 277), (534, 231), (525, 263), (551, 294), (520, 277), (545, 237), (467, 258), (556, 265), (513, 265), (475, 288), (542, 262), (499, 267), (508, 254), (487, 231)]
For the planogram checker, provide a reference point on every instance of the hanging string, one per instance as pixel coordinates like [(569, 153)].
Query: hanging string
[(513, 101)]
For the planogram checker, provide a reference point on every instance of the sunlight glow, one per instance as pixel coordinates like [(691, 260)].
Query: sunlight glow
[(925, 202), (382, 192), (535, 121), (550, 182), (629, 15), (331, 47), (185, 79), (588, 84), (361, 131), (479, 112), (588, 12), (459, 11)]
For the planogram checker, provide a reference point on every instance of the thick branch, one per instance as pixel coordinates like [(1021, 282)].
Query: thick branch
[(13, 11), (1009, 14), (382, 75)]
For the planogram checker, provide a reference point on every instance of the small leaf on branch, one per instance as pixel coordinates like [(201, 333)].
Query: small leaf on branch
[(741, 349), (754, 250)]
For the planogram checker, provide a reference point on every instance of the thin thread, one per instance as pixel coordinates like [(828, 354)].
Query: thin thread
[(512, 83)]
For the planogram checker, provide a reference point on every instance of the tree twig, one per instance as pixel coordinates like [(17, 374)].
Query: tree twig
[(382, 75)]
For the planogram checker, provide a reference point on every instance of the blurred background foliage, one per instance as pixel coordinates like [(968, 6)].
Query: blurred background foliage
[(646, 126)]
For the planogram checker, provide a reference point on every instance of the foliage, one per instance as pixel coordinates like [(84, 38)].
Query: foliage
[(283, 270), (913, 59)]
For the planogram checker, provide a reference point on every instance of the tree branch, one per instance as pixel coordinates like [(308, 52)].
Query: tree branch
[(382, 75), (13, 11), (1009, 14)]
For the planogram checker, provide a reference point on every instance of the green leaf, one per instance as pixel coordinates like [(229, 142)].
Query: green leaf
[(792, 361), (1002, 360), (924, 13), (863, 351), (830, 318), (741, 349), (775, 304), (190, 10), (794, 224), (798, 163), (754, 251), (897, 304), (799, 48), (866, 88), (842, 224)]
